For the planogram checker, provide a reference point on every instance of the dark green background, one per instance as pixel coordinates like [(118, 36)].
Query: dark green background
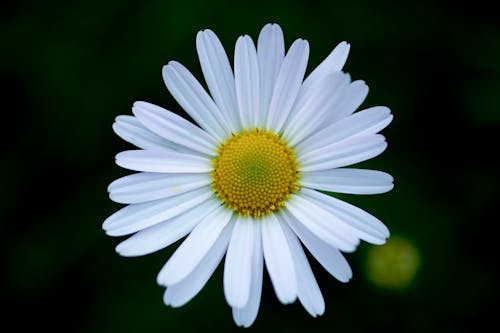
[(68, 68)]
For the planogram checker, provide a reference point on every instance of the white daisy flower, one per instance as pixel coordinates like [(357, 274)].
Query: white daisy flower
[(247, 182)]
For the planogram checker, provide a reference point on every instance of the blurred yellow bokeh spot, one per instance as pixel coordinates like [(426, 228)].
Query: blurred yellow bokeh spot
[(394, 264)]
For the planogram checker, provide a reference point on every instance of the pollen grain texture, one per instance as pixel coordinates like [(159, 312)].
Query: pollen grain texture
[(254, 173)]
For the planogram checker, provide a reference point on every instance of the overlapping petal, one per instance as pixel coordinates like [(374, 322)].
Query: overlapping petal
[(246, 315), (365, 224), (239, 261), (131, 130), (328, 256), (308, 290), (148, 186), (174, 128), (194, 248), (349, 102), (194, 100), (180, 293), (347, 180), (334, 62), (246, 76), (163, 161), (311, 108), (218, 75), (278, 259), (343, 153), (135, 217), (270, 52), (322, 223), (163, 234), (287, 85), (366, 122)]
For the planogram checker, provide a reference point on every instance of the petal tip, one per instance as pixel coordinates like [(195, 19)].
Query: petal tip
[(345, 44)]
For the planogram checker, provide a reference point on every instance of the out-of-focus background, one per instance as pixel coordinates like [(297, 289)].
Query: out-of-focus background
[(69, 67)]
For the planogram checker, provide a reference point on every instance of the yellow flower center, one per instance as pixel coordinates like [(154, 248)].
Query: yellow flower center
[(255, 172)]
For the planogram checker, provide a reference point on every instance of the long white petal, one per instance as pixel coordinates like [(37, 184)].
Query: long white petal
[(165, 233), (147, 186), (194, 100), (139, 216), (194, 248), (287, 84), (343, 153), (218, 74), (333, 63), (352, 181), (311, 108), (369, 227), (362, 123), (351, 99), (308, 290), (246, 77), (322, 223), (328, 256), (278, 260), (179, 294), (239, 260), (246, 316), (131, 130), (271, 52), (163, 161), (174, 128)]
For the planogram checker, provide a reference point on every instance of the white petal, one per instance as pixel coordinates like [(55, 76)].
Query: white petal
[(194, 100), (174, 128), (343, 153), (287, 84), (369, 227), (182, 292), (246, 76), (278, 260), (351, 99), (246, 316), (163, 161), (333, 63), (308, 290), (192, 251), (131, 130), (147, 186), (139, 216), (352, 181), (165, 233), (218, 75), (366, 122), (328, 256), (311, 108), (322, 223), (238, 264), (271, 52)]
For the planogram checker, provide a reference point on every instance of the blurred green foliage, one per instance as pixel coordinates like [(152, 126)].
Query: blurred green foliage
[(69, 67)]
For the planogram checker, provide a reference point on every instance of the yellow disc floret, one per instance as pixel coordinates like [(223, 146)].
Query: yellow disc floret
[(255, 172)]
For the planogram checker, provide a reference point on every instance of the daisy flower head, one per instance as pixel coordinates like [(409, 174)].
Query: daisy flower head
[(246, 184)]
